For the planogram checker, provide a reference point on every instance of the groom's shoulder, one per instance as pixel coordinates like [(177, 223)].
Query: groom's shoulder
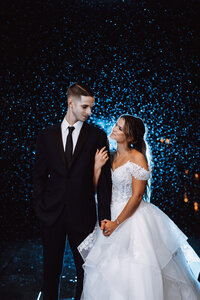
[(96, 129), (49, 129)]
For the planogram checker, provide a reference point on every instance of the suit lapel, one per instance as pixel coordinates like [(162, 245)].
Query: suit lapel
[(80, 142), (59, 142)]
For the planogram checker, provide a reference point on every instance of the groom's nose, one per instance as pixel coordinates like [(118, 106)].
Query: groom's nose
[(89, 111)]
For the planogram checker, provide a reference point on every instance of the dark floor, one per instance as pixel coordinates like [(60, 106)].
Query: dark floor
[(21, 270)]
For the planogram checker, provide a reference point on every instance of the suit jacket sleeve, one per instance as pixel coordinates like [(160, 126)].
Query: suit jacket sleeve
[(104, 188), (40, 172)]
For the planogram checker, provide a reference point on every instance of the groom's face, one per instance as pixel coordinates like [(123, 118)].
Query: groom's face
[(82, 107)]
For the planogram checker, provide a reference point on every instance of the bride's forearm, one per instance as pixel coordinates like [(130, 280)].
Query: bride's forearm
[(97, 173), (129, 209)]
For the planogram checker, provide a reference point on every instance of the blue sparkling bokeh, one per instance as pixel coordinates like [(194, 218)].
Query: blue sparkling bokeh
[(140, 57)]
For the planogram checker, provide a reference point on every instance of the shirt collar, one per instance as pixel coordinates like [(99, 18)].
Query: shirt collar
[(76, 125)]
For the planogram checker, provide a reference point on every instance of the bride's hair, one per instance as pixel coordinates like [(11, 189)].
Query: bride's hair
[(135, 132)]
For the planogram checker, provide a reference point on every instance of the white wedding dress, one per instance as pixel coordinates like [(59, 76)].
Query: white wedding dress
[(146, 258)]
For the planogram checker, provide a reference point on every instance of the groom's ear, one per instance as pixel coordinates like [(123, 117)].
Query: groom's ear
[(69, 101)]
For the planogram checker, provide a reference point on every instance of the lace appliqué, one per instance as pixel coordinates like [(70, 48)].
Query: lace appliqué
[(85, 247), (122, 180), (138, 172)]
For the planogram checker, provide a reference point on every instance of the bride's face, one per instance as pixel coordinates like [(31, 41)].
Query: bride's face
[(117, 132)]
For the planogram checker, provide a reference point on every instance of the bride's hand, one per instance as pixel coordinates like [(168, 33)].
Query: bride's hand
[(103, 224), (109, 227), (101, 158)]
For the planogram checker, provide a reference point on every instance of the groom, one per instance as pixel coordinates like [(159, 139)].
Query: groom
[(63, 187)]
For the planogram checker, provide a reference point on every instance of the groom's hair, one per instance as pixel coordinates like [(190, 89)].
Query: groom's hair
[(79, 89)]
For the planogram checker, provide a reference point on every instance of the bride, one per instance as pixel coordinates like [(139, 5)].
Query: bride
[(140, 254)]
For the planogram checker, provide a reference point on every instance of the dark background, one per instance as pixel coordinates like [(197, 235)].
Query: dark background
[(140, 57)]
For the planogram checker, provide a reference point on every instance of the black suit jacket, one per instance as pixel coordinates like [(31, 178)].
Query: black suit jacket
[(59, 186)]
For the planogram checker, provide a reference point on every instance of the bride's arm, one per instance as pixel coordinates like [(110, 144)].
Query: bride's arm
[(134, 201), (101, 158), (138, 187)]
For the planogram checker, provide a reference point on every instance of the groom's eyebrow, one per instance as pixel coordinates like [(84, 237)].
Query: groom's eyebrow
[(87, 105)]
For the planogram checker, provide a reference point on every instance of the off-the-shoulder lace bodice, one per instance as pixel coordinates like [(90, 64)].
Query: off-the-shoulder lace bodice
[(121, 193), (122, 180)]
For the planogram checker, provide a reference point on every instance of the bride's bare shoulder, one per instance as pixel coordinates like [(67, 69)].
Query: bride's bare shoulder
[(138, 158)]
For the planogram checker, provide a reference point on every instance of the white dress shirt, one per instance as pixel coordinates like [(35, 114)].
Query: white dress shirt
[(75, 134)]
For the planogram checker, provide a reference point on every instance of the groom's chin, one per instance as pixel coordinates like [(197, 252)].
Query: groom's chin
[(84, 119)]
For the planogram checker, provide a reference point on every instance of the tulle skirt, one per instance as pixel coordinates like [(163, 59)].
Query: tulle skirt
[(145, 258)]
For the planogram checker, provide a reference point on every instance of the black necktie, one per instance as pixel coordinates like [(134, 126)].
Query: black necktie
[(69, 145)]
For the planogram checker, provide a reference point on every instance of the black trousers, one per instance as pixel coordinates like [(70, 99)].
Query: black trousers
[(54, 239)]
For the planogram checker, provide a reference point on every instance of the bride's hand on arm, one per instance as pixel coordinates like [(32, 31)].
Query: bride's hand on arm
[(101, 158)]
